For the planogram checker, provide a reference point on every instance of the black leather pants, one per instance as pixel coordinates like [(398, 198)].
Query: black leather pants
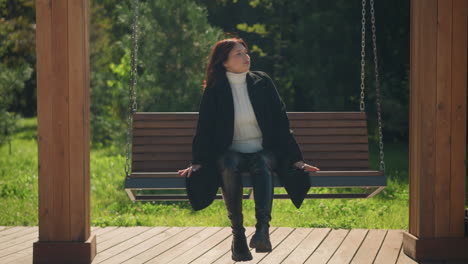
[(260, 165)]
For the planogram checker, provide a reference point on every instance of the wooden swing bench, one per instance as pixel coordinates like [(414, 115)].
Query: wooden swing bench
[(336, 142)]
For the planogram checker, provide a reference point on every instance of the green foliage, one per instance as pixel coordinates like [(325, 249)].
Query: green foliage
[(107, 99), (17, 48), (256, 28), (172, 55), (7, 127), (312, 50), (12, 81), (17, 53)]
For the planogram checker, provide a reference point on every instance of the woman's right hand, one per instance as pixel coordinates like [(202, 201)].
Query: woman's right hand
[(188, 171)]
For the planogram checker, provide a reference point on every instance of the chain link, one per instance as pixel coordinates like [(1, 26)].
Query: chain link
[(132, 102), (377, 87), (363, 53)]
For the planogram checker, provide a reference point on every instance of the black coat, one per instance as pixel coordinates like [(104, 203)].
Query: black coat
[(215, 130)]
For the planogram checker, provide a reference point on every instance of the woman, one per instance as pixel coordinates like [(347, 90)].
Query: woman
[(243, 127)]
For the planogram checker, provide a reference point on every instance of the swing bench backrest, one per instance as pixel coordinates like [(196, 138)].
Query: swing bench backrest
[(332, 141), (336, 142)]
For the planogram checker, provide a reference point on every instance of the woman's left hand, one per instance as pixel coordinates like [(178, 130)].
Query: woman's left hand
[(305, 166), (308, 167)]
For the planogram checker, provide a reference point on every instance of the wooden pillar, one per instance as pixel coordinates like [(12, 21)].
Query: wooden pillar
[(62, 29), (437, 130)]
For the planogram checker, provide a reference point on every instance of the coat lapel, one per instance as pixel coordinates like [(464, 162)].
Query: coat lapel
[(253, 89), (225, 115)]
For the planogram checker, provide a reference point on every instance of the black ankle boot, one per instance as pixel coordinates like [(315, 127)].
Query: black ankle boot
[(239, 249), (261, 239)]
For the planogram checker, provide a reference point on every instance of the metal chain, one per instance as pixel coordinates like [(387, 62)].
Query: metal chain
[(363, 53), (132, 103), (377, 87)]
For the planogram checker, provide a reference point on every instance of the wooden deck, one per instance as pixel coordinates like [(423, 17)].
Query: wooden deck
[(201, 245)]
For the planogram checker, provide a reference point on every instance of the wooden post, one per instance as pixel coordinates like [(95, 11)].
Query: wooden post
[(437, 130), (62, 29)]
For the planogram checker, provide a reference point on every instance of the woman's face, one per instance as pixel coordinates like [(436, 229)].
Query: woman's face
[(238, 59)]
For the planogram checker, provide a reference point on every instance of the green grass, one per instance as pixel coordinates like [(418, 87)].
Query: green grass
[(111, 206)]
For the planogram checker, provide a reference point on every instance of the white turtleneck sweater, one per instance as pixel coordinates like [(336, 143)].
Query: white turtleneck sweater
[(247, 134)]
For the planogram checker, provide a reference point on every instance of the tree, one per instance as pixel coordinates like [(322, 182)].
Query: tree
[(17, 50), (105, 35), (312, 50), (174, 44), (12, 81)]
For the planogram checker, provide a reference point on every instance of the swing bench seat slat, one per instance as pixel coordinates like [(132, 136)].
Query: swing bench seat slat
[(336, 142)]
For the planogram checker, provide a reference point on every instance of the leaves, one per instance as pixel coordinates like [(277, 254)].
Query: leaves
[(255, 28), (12, 82), (311, 49)]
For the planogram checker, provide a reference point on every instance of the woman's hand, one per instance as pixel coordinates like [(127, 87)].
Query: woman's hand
[(188, 171), (308, 167), (305, 166)]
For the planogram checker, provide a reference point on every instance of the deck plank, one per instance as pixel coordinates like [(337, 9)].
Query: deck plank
[(349, 247), (24, 260), (13, 232), (21, 256), (369, 248), (328, 247), (110, 234), (203, 247), (144, 246), (21, 246), (198, 245), (307, 246), (226, 258), (124, 235), (98, 231), (221, 249), (391, 247), (277, 238), (404, 259), (185, 245), (287, 246), (23, 250), (128, 243), (17, 244), (101, 233), (16, 235), (169, 243), (8, 229)]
